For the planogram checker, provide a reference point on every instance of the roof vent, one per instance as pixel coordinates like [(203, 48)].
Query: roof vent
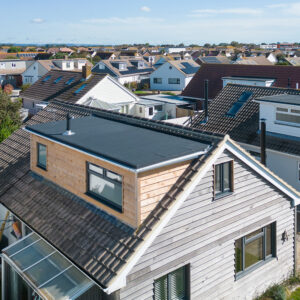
[(69, 131)]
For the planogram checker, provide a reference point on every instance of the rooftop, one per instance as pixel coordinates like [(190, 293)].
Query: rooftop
[(128, 145), (282, 98)]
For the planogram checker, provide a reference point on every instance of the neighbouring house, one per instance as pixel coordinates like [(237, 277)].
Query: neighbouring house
[(212, 60), (173, 75), (125, 70), (281, 76), (106, 55), (11, 71), (139, 209), (237, 111), (171, 50), (255, 60), (293, 61), (37, 70), (83, 87)]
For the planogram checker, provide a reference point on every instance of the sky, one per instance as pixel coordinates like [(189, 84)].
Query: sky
[(149, 21)]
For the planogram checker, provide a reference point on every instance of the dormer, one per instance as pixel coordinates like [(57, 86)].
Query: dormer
[(120, 167), (121, 65), (139, 64), (256, 81), (282, 114)]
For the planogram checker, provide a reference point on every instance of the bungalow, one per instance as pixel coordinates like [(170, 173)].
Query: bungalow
[(173, 75), (237, 111), (139, 210), (83, 87), (11, 70), (125, 70)]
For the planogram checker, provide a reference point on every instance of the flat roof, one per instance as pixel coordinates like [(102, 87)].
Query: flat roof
[(282, 98), (248, 78), (132, 146), (166, 98)]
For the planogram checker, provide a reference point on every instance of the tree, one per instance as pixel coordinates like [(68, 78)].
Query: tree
[(207, 45), (234, 44), (14, 49), (9, 115)]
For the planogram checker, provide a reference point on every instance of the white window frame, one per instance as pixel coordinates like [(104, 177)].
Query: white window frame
[(289, 112)]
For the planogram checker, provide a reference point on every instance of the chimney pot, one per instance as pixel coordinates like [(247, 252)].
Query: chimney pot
[(68, 127)]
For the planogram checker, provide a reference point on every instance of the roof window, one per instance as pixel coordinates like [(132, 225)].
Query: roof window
[(70, 81), (58, 79), (46, 78), (239, 104), (79, 89)]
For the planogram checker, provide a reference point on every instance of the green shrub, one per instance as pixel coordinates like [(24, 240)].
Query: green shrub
[(276, 292)]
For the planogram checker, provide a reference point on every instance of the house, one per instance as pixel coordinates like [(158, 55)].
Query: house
[(171, 50), (106, 55), (293, 61), (212, 60), (282, 76), (256, 60), (189, 222), (37, 70), (173, 75), (237, 111), (125, 70), (11, 70), (78, 87)]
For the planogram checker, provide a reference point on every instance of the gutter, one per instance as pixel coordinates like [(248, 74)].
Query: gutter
[(124, 166)]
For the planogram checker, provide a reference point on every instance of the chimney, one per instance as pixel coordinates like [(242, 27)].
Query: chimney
[(86, 71), (263, 155), (68, 129), (206, 99)]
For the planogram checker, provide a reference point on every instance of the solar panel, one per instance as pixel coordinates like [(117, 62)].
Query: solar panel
[(80, 89), (239, 104)]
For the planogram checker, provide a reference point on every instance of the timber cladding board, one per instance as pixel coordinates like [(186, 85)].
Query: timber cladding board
[(203, 231), (154, 184), (67, 168)]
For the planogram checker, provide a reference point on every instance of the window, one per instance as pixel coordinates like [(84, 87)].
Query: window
[(2, 65), (223, 178), (70, 81), (68, 65), (158, 107), (150, 111), (140, 110), (239, 104), (58, 79), (157, 80), (288, 116), (255, 248), (173, 286), (80, 89), (101, 66), (105, 186), (299, 170), (46, 78), (122, 66), (125, 109), (13, 65), (174, 80), (42, 156)]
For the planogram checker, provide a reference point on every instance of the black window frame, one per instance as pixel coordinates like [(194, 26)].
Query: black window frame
[(186, 283), (265, 259), (98, 197), (224, 192), (38, 164), (157, 80), (177, 80)]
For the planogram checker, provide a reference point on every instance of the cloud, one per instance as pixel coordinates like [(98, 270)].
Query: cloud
[(292, 9), (145, 9), (280, 5), (228, 11), (37, 20), (116, 20)]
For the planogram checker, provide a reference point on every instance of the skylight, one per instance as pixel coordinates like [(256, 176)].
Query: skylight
[(58, 79), (238, 104), (80, 89), (70, 81), (47, 78)]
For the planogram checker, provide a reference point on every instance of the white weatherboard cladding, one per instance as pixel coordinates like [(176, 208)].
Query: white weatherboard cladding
[(35, 71), (266, 83), (268, 112), (202, 233), (164, 72), (110, 91)]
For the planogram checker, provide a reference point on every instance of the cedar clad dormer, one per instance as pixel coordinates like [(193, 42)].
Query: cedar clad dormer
[(121, 168)]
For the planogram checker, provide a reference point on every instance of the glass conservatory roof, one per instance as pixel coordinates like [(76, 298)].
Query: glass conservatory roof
[(48, 272)]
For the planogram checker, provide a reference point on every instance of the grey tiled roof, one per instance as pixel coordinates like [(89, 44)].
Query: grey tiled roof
[(244, 126), (96, 242), (49, 90)]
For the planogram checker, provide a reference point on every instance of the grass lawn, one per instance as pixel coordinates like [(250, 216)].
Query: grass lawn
[(295, 295)]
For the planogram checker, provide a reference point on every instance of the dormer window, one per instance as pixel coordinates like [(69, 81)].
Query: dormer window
[(101, 66), (288, 116), (122, 66), (105, 186)]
